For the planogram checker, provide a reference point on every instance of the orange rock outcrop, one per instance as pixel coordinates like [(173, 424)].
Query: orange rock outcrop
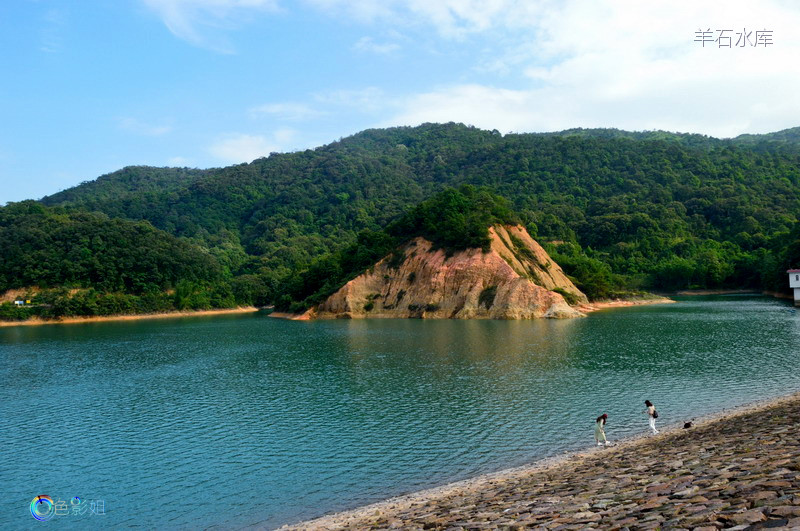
[(514, 280)]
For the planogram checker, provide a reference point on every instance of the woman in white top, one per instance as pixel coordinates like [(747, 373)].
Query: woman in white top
[(600, 432), (651, 412)]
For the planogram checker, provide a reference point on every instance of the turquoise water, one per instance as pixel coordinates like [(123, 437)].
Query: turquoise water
[(244, 420)]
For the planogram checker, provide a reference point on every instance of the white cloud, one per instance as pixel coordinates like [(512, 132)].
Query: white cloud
[(362, 10), (455, 18), (240, 147), (366, 44), (286, 111), (451, 18), (132, 125), (284, 136), (179, 162), (634, 65), (50, 34), (589, 63), (369, 99), (486, 107), (185, 18)]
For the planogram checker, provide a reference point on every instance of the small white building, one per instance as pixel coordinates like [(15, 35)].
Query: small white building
[(794, 282)]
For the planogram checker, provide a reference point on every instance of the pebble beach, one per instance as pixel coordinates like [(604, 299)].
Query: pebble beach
[(735, 470)]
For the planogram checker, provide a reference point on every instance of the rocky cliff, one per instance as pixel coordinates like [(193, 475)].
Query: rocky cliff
[(514, 280)]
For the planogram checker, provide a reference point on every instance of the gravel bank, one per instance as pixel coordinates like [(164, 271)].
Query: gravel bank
[(737, 470)]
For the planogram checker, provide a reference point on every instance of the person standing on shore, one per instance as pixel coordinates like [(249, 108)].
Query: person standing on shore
[(653, 414), (600, 432)]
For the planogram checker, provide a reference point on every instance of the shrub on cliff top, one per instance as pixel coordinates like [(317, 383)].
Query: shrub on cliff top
[(455, 219)]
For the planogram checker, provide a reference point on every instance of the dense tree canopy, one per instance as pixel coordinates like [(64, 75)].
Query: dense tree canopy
[(54, 252), (48, 247), (650, 210), (455, 219)]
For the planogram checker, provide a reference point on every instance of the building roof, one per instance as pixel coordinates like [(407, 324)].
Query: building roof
[(793, 270)]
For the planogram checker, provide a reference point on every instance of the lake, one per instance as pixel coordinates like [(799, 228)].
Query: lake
[(242, 420)]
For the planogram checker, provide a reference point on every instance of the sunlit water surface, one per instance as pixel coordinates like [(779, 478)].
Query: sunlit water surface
[(245, 420)]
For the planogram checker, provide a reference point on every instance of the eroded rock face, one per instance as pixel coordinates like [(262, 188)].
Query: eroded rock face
[(514, 280)]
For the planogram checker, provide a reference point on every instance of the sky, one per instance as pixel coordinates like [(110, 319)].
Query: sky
[(88, 87)]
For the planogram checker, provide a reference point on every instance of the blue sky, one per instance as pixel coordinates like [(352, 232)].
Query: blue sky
[(91, 86)]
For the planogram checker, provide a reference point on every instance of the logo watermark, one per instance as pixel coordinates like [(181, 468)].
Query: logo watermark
[(728, 38), (43, 508)]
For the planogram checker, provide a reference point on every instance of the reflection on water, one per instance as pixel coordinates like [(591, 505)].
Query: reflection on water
[(237, 420)]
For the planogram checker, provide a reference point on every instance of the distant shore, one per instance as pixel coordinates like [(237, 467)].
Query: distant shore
[(36, 321), (680, 478), (622, 303), (718, 292), (776, 294)]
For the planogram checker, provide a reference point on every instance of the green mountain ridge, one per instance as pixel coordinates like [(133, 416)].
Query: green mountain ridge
[(144, 179), (658, 210), (789, 136)]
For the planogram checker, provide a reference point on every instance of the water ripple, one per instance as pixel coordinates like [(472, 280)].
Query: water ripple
[(236, 421)]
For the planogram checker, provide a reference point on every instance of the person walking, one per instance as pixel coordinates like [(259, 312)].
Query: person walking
[(653, 414), (600, 432)]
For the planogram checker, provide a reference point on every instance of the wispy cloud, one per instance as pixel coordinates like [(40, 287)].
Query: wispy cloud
[(450, 18), (180, 162), (324, 108), (190, 20), (241, 147), (368, 99), (367, 44), (50, 35), (287, 111), (132, 125), (362, 10)]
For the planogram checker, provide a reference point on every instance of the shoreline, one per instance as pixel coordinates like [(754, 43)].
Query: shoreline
[(621, 303), (588, 307), (692, 292), (35, 321), (362, 516)]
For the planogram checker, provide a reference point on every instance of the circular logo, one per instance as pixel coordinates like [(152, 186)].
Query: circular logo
[(42, 508)]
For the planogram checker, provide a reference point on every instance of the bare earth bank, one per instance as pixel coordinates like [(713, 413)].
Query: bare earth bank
[(621, 303), (72, 320)]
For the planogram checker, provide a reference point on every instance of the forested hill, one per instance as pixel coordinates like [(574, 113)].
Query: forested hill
[(132, 182), (83, 263), (655, 210), (787, 139), (779, 139), (639, 201)]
